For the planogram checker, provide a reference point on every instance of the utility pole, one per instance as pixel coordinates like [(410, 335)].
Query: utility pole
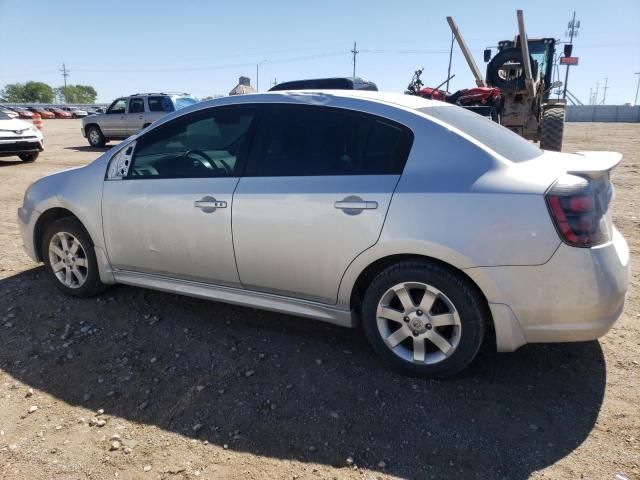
[(605, 88), (595, 100), (590, 96), (355, 52), (572, 32), (275, 81), (635, 102), (65, 74), (453, 38)]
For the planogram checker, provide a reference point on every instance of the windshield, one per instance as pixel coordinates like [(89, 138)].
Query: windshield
[(538, 52), (182, 102), (498, 138)]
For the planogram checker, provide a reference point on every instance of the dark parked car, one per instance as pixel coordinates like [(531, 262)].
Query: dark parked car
[(338, 83)]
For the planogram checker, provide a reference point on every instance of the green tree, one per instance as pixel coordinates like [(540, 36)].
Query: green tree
[(30, 92), (13, 93), (77, 94)]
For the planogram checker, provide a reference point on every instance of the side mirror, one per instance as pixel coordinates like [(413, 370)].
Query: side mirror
[(487, 54), (568, 48)]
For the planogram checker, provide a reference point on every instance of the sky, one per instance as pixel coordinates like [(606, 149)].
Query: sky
[(202, 47)]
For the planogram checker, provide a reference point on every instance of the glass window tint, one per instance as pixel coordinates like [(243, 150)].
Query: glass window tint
[(498, 138), (160, 104), (136, 105), (119, 106), (182, 102), (316, 141), (210, 144)]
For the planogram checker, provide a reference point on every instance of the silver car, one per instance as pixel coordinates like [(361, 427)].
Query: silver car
[(432, 227), (128, 115)]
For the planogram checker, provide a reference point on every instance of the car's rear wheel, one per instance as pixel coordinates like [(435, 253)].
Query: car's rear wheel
[(424, 319), (70, 259), (29, 157), (95, 136)]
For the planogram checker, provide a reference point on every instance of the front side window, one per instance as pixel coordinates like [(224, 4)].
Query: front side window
[(136, 105), (314, 141), (214, 143), (160, 104), (119, 106)]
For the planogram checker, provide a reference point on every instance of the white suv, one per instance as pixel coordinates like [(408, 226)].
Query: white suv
[(75, 112), (128, 115)]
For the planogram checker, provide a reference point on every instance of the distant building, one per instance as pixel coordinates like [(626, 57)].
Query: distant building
[(244, 86)]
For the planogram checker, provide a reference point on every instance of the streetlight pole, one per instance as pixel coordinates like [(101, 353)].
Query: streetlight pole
[(258, 74), (635, 102)]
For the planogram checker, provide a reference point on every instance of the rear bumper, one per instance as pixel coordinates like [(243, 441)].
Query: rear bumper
[(576, 296)]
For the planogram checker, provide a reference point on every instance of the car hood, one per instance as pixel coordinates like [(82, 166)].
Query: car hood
[(14, 124)]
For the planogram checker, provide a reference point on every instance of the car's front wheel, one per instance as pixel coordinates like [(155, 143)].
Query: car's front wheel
[(424, 319), (29, 157), (95, 136), (70, 260)]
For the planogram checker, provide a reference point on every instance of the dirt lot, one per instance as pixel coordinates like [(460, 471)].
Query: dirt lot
[(196, 389)]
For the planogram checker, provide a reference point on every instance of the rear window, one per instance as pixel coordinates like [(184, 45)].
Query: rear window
[(182, 102), (498, 138)]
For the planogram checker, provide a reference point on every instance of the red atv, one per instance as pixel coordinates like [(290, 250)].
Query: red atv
[(487, 101)]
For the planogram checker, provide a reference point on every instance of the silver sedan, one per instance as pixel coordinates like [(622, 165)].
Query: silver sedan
[(425, 223)]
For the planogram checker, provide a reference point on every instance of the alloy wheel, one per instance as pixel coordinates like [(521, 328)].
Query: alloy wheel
[(418, 323), (68, 260), (94, 136)]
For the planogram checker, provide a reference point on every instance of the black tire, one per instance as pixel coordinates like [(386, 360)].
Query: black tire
[(92, 285), (95, 136), (496, 63), (552, 129), (471, 310), (29, 157)]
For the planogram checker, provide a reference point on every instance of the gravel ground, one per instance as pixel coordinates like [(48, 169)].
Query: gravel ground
[(143, 384)]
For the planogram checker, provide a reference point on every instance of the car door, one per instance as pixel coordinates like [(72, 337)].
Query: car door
[(112, 122), (135, 116), (315, 194), (167, 202)]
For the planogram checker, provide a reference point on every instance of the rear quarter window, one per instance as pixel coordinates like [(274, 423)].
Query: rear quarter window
[(498, 138)]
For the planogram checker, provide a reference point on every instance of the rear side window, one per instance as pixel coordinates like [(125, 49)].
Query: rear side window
[(160, 104), (318, 141), (498, 138), (136, 105)]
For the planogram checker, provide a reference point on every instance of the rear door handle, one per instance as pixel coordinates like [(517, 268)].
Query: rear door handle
[(209, 204), (356, 205)]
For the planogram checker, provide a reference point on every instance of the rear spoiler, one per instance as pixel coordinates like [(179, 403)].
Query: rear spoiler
[(594, 164)]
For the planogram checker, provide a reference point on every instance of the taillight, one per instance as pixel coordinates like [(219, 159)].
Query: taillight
[(578, 211)]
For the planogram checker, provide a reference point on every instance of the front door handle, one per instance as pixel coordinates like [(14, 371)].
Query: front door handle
[(209, 204)]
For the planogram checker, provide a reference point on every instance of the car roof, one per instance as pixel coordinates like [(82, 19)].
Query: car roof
[(412, 103), (314, 97)]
